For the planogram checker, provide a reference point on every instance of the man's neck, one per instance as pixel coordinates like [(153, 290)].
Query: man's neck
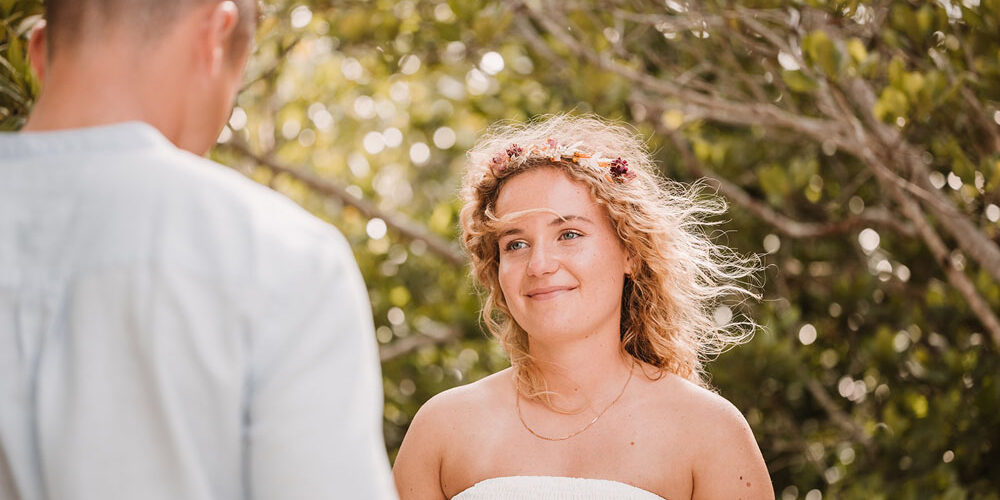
[(92, 92)]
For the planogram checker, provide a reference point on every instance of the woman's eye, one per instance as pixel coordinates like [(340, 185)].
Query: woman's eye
[(515, 245), (570, 235)]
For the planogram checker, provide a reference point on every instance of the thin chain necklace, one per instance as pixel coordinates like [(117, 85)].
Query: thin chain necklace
[(517, 402)]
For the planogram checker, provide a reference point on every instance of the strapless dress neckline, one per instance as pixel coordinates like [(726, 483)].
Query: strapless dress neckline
[(553, 488)]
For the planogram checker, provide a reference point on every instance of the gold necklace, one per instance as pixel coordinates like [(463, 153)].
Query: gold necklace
[(517, 402)]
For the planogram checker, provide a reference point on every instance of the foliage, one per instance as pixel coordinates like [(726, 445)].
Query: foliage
[(859, 144), (18, 84)]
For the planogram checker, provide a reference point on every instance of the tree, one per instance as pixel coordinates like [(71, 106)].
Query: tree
[(18, 84), (881, 121)]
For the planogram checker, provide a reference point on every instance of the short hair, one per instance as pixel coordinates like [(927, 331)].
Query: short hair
[(679, 276), (69, 22)]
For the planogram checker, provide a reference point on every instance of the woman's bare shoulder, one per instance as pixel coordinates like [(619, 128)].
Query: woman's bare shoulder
[(716, 428), (449, 419), (465, 403), (700, 406)]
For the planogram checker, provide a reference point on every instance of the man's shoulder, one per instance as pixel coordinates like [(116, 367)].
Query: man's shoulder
[(210, 213), (222, 193), (201, 177), (136, 198)]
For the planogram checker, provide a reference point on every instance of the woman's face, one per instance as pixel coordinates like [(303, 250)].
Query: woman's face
[(562, 266)]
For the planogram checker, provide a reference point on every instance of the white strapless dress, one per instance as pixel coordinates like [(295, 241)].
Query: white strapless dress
[(553, 488)]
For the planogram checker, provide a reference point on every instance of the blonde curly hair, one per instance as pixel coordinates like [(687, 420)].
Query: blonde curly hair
[(679, 277)]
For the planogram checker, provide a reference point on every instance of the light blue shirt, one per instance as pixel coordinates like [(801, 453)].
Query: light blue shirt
[(170, 329)]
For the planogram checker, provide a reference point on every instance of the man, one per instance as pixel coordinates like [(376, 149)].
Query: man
[(169, 329)]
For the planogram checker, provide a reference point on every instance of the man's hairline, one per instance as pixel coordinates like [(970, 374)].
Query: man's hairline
[(86, 34)]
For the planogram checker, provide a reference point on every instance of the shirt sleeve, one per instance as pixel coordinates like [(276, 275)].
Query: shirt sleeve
[(314, 413)]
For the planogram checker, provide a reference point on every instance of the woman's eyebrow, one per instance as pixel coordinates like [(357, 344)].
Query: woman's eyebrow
[(567, 218), (555, 222), (509, 232)]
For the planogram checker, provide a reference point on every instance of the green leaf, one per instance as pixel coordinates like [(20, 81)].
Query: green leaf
[(896, 70), (856, 49), (15, 53), (904, 20), (702, 150), (798, 81), (822, 52), (925, 19), (801, 169), (913, 83), (774, 181), (992, 172), (935, 82), (891, 103)]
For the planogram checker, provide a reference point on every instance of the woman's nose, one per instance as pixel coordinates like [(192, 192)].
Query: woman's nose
[(543, 260)]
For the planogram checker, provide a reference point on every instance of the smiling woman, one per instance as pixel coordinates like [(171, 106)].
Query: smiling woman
[(562, 267), (600, 284), (680, 275)]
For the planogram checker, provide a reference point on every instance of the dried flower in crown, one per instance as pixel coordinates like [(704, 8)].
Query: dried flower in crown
[(619, 169), (514, 156)]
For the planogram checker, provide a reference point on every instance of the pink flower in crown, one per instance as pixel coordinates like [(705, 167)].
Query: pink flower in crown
[(499, 162), (619, 169), (503, 159), (515, 155)]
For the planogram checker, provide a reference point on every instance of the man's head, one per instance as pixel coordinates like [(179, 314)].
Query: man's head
[(71, 24), (175, 64)]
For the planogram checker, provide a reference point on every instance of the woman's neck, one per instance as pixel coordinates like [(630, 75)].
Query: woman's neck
[(587, 371)]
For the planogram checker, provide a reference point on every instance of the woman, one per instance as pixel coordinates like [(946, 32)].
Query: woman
[(600, 284)]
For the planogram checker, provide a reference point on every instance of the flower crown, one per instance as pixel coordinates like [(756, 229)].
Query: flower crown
[(614, 169)]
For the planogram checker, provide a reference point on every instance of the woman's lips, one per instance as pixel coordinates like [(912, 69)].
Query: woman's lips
[(549, 292)]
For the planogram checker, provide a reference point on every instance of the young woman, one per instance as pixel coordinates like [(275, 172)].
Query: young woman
[(600, 284)]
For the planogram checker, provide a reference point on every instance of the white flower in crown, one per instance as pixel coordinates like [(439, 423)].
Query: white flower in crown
[(614, 169)]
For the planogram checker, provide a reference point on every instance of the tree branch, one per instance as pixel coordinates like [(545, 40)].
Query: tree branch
[(970, 239), (838, 416), (273, 70), (404, 226), (784, 224), (911, 209), (716, 108), (428, 334), (412, 343)]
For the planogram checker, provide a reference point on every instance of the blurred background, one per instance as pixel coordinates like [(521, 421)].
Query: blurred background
[(858, 144)]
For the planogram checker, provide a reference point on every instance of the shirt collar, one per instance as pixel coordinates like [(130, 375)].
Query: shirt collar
[(113, 137)]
